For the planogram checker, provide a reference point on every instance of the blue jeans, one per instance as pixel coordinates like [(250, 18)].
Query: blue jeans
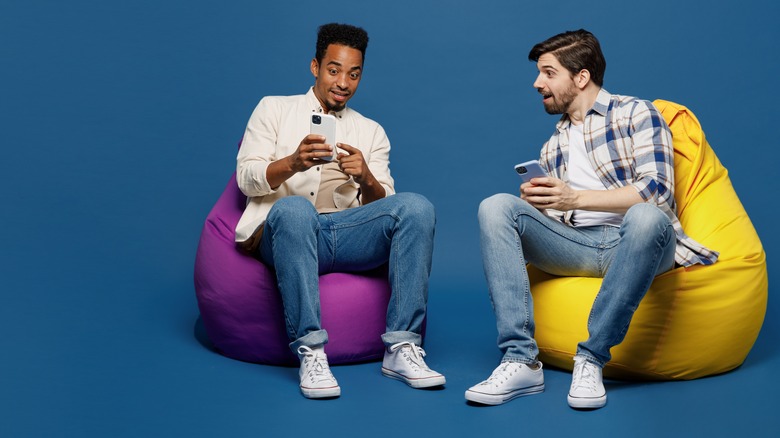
[(301, 244), (514, 233)]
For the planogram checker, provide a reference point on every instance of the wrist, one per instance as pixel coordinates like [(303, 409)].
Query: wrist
[(577, 200), (367, 182), (289, 165)]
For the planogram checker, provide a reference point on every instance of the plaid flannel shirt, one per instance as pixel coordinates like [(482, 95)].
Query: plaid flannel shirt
[(628, 143)]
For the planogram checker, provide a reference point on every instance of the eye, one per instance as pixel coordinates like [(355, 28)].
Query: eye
[(333, 71), (354, 75)]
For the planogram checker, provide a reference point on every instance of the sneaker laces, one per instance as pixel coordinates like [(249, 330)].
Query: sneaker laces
[(500, 374), (415, 359), (584, 376), (318, 370)]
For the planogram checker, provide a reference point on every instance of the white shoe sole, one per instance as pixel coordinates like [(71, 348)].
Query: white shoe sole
[(424, 382), (499, 399), (587, 403), (333, 391)]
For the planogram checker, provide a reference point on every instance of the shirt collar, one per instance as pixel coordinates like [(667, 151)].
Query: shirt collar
[(599, 107), (314, 103), (602, 102)]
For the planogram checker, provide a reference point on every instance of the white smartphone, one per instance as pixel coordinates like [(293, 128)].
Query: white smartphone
[(530, 169), (325, 125)]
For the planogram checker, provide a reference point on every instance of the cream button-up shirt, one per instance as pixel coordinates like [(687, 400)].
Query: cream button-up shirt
[(275, 129)]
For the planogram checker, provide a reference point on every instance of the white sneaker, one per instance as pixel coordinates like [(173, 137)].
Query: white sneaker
[(507, 382), (316, 379), (587, 390), (404, 361)]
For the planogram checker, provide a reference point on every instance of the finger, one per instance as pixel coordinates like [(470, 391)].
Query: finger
[(314, 138), (320, 154), (320, 148), (348, 148), (546, 202), (345, 159), (540, 190), (313, 157), (542, 181), (348, 171), (350, 168), (529, 190)]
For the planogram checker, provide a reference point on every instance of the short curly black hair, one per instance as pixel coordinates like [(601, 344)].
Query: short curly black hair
[(344, 34)]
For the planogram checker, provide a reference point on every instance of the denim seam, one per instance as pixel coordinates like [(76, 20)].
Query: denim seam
[(357, 224), (533, 348), (578, 241), (518, 360), (648, 283), (525, 286), (291, 333), (656, 256), (396, 284)]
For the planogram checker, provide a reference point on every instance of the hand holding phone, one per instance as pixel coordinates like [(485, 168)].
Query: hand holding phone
[(325, 125), (530, 169)]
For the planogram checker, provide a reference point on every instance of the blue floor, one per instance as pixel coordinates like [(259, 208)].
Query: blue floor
[(118, 131), (141, 370)]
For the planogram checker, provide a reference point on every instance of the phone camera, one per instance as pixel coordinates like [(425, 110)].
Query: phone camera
[(522, 170), (316, 120)]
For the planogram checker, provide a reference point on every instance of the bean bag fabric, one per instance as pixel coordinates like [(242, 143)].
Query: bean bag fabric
[(241, 307), (694, 321)]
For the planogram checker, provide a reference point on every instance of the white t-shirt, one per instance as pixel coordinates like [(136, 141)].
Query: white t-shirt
[(582, 176)]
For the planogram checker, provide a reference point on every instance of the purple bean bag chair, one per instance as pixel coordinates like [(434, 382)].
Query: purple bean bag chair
[(241, 308)]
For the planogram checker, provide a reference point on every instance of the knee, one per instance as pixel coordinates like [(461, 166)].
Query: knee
[(292, 211), (415, 208), (500, 207), (646, 219)]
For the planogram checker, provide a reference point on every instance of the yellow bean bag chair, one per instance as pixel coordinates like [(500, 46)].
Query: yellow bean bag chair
[(694, 321)]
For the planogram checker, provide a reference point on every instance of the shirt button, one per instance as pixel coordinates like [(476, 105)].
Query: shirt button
[(312, 193)]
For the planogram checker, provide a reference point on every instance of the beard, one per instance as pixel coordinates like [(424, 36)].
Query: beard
[(560, 104), (335, 107)]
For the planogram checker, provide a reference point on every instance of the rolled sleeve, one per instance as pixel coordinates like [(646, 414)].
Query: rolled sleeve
[(653, 154), (257, 151), (379, 161)]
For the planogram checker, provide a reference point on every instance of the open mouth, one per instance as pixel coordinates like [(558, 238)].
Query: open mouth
[(339, 96)]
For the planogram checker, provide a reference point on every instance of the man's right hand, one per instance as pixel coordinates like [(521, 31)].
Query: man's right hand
[(306, 156), (309, 153)]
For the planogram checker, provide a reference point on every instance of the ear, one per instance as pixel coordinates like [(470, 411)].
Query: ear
[(582, 79), (315, 67)]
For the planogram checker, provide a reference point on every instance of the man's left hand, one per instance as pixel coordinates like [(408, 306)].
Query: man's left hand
[(353, 164)]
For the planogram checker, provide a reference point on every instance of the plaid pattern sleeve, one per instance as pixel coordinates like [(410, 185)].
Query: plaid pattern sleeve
[(632, 144)]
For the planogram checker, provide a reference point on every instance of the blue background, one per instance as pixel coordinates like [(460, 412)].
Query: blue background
[(118, 127)]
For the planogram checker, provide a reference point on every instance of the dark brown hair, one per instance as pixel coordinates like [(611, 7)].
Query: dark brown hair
[(576, 50)]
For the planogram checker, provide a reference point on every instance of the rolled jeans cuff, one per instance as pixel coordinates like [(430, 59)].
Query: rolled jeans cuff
[(515, 359), (311, 340), (392, 338)]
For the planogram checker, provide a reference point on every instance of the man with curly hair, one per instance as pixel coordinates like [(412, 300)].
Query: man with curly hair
[(307, 215)]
